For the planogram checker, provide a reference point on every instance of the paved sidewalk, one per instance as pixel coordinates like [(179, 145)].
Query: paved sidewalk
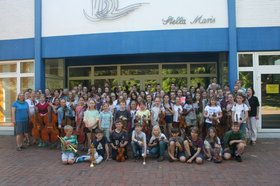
[(34, 166)]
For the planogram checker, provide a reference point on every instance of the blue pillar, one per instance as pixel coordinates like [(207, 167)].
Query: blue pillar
[(232, 34), (39, 66)]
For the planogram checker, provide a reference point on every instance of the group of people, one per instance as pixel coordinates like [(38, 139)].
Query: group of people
[(187, 125)]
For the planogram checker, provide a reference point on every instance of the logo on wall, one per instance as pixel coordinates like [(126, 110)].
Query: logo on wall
[(109, 10)]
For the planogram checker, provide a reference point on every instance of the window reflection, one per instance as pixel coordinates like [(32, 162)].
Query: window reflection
[(26, 83), (247, 78), (140, 70), (7, 97), (174, 69), (203, 68), (27, 67), (105, 71), (269, 60), (78, 72), (179, 82), (245, 60), (8, 68)]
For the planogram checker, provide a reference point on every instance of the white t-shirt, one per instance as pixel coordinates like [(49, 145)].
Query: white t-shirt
[(177, 110), (161, 136), (239, 110), (211, 111), (155, 112), (31, 105)]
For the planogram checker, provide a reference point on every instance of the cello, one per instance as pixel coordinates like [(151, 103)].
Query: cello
[(80, 125), (37, 126), (50, 132)]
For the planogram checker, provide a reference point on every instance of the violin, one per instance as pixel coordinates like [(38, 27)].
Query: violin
[(120, 154), (182, 122), (162, 121)]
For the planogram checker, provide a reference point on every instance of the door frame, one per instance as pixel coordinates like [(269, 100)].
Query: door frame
[(264, 70)]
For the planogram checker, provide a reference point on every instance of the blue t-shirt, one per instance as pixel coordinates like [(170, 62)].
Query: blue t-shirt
[(106, 119), (21, 112)]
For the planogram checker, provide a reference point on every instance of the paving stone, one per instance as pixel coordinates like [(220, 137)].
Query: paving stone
[(42, 166)]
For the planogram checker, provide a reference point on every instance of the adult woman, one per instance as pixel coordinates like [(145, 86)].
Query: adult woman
[(253, 115), (20, 118)]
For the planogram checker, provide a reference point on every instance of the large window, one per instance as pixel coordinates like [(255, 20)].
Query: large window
[(15, 76), (182, 74), (54, 71)]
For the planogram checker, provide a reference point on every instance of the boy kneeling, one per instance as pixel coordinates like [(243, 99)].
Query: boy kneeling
[(234, 143)]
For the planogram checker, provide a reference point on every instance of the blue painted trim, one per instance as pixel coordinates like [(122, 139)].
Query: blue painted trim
[(232, 64), (39, 65), (163, 41), (258, 39), (17, 49)]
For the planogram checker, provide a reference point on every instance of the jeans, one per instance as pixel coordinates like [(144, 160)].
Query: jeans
[(159, 149), (137, 149), (252, 127)]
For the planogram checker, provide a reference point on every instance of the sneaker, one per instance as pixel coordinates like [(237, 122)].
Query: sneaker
[(80, 159), (161, 158), (23, 147), (238, 158), (40, 144), (19, 149)]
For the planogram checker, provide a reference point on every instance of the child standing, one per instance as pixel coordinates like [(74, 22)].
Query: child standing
[(138, 143), (68, 144), (190, 114), (212, 146), (158, 143), (234, 143), (91, 120), (240, 112), (106, 120)]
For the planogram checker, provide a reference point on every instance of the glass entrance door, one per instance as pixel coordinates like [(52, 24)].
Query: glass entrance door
[(270, 100)]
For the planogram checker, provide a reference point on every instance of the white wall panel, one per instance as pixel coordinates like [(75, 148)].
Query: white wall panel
[(66, 17), (257, 13), (16, 19)]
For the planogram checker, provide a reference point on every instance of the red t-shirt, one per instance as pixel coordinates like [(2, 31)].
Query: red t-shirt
[(42, 108)]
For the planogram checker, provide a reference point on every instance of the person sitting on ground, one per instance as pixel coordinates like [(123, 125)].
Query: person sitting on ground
[(194, 146), (176, 146), (98, 147), (119, 139), (138, 142), (158, 143), (212, 146), (68, 144), (234, 143)]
